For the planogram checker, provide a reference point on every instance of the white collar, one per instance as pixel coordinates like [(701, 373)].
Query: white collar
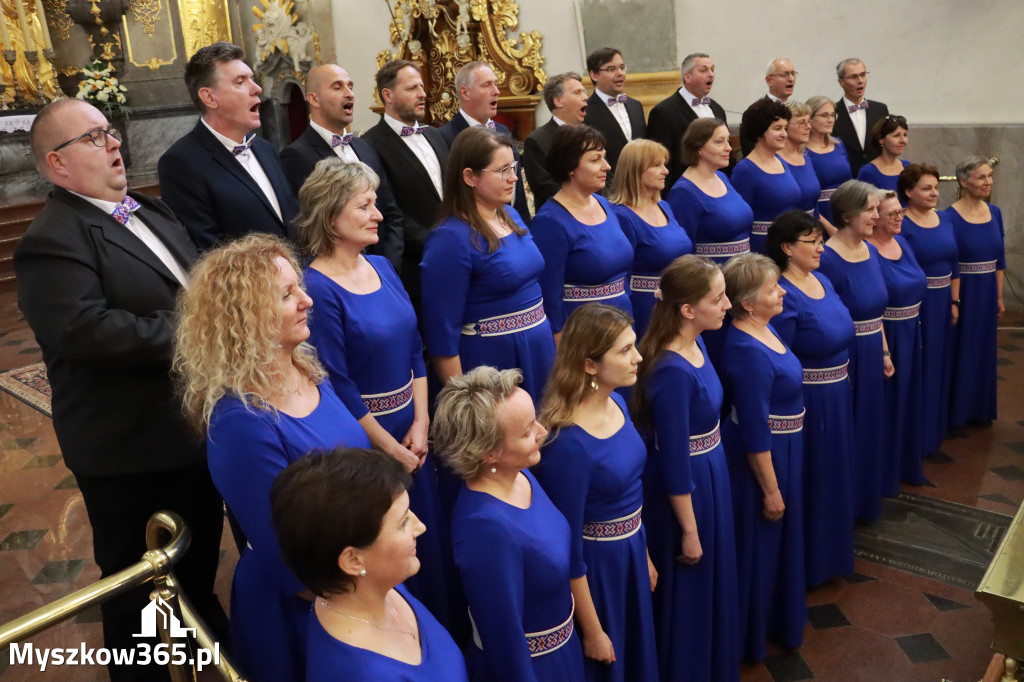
[(472, 121), (324, 132), (689, 96), (228, 143), (850, 103), (105, 206), (557, 120), (605, 97), (397, 125)]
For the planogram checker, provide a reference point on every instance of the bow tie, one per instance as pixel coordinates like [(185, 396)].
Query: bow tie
[(244, 147), (341, 140), (490, 124), (123, 210), (621, 99), (701, 100), (412, 130), (854, 107)]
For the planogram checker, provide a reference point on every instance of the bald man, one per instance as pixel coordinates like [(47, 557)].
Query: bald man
[(331, 96), (98, 272), (780, 76)]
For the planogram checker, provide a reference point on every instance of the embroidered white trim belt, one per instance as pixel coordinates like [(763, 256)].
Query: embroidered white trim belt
[(507, 324), (616, 529), (386, 403), (978, 268), (793, 424), (940, 282), (541, 643), (868, 326), (760, 227), (828, 375), (718, 249), (573, 293), (826, 195), (905, 313), (643, 283), (705, 442)]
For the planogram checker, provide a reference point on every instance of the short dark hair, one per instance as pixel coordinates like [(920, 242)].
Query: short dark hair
[(555, 86), (568, 145), (759, 117), (786, 229), (600, 57), (885, 126), (388, 74), (202, 68), (351, 487), (696, 136), (912, 175)]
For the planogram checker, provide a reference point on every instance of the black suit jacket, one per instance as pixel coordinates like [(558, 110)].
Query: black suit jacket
[(451, 130), (215, 197), (845, 131), (101, 306), (600, 116), (667, 123), (535, 155), (414, 193), (298, 160)]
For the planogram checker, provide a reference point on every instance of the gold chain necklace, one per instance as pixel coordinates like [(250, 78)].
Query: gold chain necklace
[(327, 605)]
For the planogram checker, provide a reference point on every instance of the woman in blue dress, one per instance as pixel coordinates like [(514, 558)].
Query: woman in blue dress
[(827, 154), (255, 383), (978, 227), (930, 235), (481, 271), (587, 256), (592, 468), (762, 179), (365, 334), (648, 222), (512, 546), (703, 200), (794, 155), (906, 284), (764, 444), (852, 266), (688, 510), (364, 625), (818, 328), (888, 139)]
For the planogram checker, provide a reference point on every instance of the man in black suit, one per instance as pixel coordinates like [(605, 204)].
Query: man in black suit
[(780, 76), (98, 271), (414, 157), (221, 180), (856, 116), (671, 117), (619, 118), (478, 103), (331, 97), (566, 99)]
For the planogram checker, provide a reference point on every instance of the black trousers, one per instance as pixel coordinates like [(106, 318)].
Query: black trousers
[(119, 507)]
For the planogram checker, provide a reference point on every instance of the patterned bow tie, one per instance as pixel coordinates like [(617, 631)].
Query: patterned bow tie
[(123, 210), (490, 124), (341, 140), (412, 130), (621, 99), (854, 107), (701, 100), (244, 147)]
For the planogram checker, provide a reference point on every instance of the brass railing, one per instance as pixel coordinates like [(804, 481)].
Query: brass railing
[(155, 566), (992, 162)]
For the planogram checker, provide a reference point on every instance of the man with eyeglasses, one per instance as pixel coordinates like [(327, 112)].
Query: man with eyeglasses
[(781, 79), (98, 271), (855, 115), (619, 118)]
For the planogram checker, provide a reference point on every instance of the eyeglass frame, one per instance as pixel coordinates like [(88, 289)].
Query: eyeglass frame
[(505, 171), (832, 116), (856, 76), (815, 242), (613, 69), (107, 133), (786, 74)]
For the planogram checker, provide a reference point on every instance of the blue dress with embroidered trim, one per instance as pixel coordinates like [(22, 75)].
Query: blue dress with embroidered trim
[(246, 449), (907, 284), (768, 194), (594, 479), (331, 660), (819, 331), (974, 360), (514, 567), (576, 254), (695, 607), (869, 172), (765, 384), (711, 221), (463, 284), (654, 248), (861, 287), (832, 169), (937, 253), (810, 187), (369, 345)]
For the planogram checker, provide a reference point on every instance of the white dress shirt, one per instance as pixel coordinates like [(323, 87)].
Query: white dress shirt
[(141, 230), (420, 146), (703, 110), (860, 121), (252, 166), (472, 121), (344, 151), (618, 110), (557, 120)]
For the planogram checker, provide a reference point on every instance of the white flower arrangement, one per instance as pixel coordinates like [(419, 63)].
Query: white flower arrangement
[(100, 87)]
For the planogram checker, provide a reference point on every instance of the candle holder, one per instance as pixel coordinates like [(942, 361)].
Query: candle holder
[(10, 56), (3, 100), (33, 58)]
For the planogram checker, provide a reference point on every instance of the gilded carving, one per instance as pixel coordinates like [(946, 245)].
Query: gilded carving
[(32, 76), (152, 54), (203, 22), (58, 18), (282, 30), (147, 13)]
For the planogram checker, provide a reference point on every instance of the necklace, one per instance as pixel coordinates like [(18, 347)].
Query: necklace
[(327, 605)]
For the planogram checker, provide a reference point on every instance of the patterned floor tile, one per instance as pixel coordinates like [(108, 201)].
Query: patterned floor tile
[(788, 667), (943, 604), (1009, 473), (4, 508), (922, 648), (855, 577), (21, 539), (1018, 446), (997, 497), (939, 457), (63, 571), (67, 483), (43, 462), (824, 616)]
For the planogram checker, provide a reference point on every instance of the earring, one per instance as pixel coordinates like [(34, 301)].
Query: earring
[(362, 572), (593, 382), (494, 469)]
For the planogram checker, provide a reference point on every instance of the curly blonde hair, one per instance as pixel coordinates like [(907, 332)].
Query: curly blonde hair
[(229, 331)]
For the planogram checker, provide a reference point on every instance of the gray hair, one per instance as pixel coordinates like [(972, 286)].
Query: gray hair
[(817, 102), (690, 63), (841, 66), (555, 86), (323, 197), (969, 165), (466, 75), (849, 199), (771, 65), (745, 274), (465, 427)]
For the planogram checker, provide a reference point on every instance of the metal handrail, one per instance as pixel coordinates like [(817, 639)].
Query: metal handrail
[(155, 566), (993, 161)]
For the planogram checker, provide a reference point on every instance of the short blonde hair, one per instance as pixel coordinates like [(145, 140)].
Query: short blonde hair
[(323, 197), (745, 274), (798, 108), (465, 427), (229, 334), (636, 157)]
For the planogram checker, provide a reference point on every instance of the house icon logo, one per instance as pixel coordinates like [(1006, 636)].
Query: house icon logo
[(158, 612)]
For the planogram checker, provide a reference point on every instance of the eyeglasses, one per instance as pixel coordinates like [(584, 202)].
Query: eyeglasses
[(831, 116), (894, 215), (97, 137), (787, 74), (802, 122), (613, 69), (856, 76), (901, 121), (507, 172), (816, 242)]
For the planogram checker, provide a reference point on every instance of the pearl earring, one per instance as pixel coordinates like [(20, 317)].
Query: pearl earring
[(494, 469), (362, 572)]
